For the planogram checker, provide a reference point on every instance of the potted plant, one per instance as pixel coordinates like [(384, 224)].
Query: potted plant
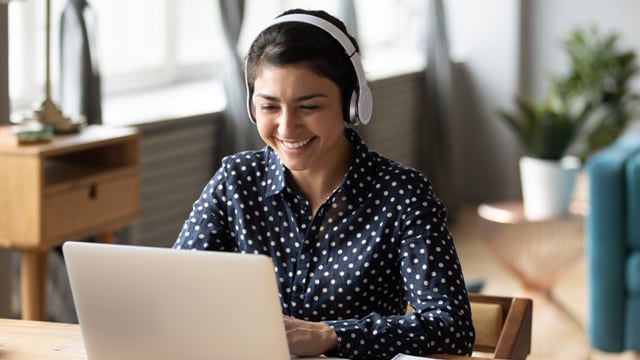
[(582, 112)]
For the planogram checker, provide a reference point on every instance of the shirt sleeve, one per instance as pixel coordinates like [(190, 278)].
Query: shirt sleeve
[(206, 227), (434, 286)]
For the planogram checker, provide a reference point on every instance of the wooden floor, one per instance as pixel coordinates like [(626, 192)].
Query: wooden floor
[(556, 335)]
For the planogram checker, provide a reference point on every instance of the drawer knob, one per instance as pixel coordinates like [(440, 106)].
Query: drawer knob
[(93, 191)]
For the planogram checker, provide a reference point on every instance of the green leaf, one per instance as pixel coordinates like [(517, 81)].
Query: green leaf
[(586, 108)]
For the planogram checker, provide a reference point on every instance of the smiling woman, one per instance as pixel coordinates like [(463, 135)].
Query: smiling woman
[(354, 236)]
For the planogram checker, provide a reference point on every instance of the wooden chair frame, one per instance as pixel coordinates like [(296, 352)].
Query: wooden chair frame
[(514, 341)]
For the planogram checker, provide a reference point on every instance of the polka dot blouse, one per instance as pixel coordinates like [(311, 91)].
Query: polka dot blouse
[(378, 243)]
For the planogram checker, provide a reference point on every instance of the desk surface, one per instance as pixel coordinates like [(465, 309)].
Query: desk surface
[(24, 339), (30, 340)]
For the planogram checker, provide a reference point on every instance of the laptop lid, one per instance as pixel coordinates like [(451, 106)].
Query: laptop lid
[(136, 302)]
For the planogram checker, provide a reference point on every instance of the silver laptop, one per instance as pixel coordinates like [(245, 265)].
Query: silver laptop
[(136, 302)]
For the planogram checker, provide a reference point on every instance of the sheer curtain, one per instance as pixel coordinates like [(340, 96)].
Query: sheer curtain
[(80, 92), (347, 13), (5, 255), (435, 154), (80, 95), (240, 132)]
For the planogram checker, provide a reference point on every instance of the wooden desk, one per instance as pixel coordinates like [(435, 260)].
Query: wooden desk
[(30, 340), (75, 186)]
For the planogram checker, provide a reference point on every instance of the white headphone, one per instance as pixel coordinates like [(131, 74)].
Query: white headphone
[(361, 101)]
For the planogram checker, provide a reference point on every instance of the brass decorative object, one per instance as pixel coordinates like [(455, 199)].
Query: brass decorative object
[(49, 114)]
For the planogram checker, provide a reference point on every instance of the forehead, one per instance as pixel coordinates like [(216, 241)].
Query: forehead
[(266, 67), (291, 78)]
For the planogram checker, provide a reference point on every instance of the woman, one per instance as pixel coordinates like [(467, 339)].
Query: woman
[(354, 237)]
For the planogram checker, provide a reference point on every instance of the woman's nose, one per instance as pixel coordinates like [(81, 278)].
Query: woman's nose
[(288, 120)]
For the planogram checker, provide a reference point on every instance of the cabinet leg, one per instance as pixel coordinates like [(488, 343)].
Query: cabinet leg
[(33, 268)]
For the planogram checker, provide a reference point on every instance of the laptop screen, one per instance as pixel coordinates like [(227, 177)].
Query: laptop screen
[(136, 302)]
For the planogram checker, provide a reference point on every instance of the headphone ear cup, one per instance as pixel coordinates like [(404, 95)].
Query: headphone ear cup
[(252, 116), (364, 106), (249, 94), (352, 114), (250, 106)]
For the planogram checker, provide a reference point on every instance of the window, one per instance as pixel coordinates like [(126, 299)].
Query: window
[(27, 50), (142, 44), (392, 35), (146, 45)]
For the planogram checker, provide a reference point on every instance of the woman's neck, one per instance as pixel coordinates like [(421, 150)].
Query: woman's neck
[(316, 185)]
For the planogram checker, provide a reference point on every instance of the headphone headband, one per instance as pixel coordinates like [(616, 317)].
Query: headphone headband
[(361, 104), (323, 24)]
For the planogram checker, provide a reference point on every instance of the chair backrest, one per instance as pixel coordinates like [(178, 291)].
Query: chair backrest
[(613, 245), (503, 326)]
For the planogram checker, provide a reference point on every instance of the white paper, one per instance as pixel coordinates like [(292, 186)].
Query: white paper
[(411, 357)]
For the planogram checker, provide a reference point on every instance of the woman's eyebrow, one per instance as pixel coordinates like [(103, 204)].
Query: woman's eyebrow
[(309, 97), (298, 99), (265, 96)]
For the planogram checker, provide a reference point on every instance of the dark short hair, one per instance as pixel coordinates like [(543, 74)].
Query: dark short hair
[(297, 43)]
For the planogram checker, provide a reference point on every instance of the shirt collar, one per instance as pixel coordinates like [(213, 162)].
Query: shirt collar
[(359, 174), (275, 173)]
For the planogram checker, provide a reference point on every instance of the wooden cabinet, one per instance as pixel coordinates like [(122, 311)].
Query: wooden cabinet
[(75, 186)]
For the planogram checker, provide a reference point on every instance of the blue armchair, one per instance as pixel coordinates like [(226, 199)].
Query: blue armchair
[(613, 246)]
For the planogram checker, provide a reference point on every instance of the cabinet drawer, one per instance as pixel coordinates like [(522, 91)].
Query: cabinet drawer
[(90, 207)]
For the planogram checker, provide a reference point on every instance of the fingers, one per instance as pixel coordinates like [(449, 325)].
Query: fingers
[(307, 338)]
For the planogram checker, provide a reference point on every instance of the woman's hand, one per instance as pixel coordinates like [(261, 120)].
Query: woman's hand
[(308, 338)]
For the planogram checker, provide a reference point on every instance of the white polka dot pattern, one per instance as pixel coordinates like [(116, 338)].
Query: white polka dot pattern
[(378, 243)]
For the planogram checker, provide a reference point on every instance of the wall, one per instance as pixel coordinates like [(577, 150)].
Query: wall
[(393, 130), (550, 21), (177, 159), (486, 35), (506, 47)]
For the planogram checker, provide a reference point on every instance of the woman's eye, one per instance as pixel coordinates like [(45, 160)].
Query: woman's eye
[(309, 107), (268, 107)]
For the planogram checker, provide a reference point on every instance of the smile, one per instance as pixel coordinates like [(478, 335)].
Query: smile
[(295, 145)]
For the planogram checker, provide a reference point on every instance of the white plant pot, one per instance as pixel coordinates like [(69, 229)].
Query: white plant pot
[(547, 186)]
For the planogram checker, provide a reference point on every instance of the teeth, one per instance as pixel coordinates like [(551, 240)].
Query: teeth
[(295, 145)]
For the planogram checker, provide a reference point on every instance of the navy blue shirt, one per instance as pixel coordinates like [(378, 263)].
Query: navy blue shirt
[(378, 243)]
